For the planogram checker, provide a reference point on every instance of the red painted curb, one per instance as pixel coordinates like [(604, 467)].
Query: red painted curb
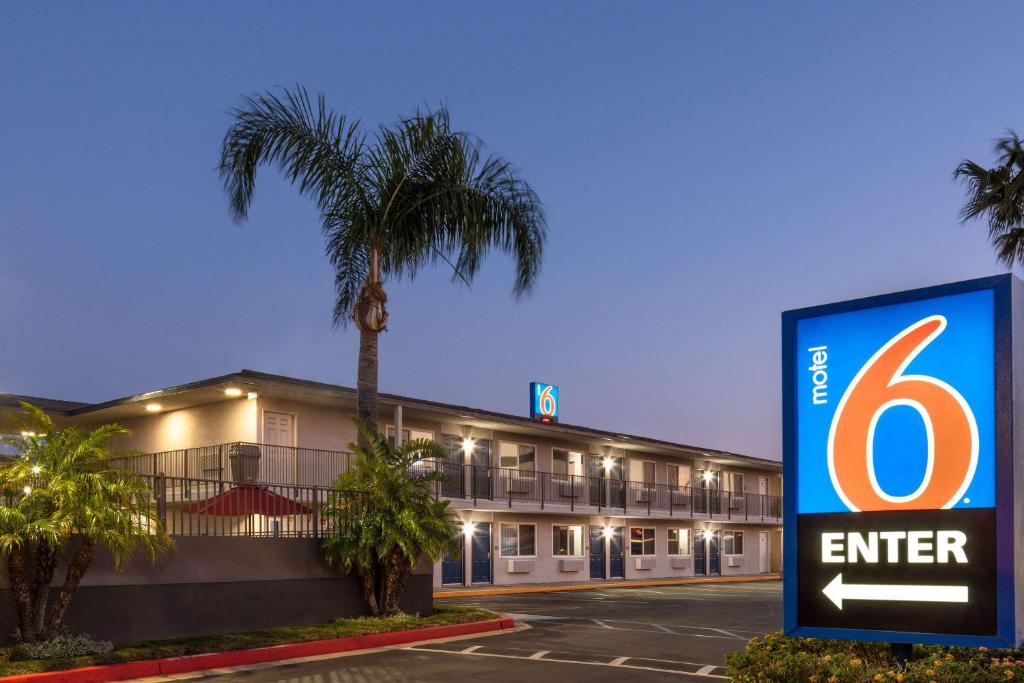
[(217, 660)]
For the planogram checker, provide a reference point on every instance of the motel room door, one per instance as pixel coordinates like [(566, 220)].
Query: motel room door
[(597, 542), (453, 570), (617, 554), (699, 556), (277, 461), (762, 552), (715, 553), (481, 553), (481, 460)]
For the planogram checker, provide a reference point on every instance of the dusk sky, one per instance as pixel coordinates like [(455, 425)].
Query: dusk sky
[(703, 167)]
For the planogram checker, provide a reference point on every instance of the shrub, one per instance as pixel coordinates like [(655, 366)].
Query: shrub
[(64, 646), (776, 658)]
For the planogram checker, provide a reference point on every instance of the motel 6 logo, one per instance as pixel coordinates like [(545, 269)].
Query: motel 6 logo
[(890, 463), (543, 402), (950, 429)]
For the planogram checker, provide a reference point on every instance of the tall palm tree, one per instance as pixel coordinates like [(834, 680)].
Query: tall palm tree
[(998, 195), (390, 203), (382, 516), (61, 491)]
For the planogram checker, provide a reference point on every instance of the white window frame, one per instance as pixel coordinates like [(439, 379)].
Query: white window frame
[(689, 540), (582, 550), (389, 432), (517, 444), (654, 542), (722, 540), (641, 462), (568, 462), (501, 549)]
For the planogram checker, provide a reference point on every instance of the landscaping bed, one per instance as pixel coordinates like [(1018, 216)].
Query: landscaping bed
[(180, 647), (776, 658)]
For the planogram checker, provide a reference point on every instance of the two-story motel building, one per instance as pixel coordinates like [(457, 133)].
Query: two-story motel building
[(539, 502)]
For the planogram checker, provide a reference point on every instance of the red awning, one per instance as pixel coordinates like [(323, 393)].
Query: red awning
[(248, 500)]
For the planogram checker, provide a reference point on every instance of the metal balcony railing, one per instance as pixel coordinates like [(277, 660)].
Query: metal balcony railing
[(243, 462)]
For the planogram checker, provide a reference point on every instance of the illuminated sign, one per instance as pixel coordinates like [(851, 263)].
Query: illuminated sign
[(898, 467), (543, 402)]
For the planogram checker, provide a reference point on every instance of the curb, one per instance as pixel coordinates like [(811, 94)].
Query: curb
[(598, 585), (217, 660)]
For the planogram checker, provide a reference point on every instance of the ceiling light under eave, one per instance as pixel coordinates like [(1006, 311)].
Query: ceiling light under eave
[(232, 392), (153, 407)]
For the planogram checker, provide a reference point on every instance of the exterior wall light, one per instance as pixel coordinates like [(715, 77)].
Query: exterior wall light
[(468, 444), (251, 395), (608, 464), (36, 469), (468, 528), (28, 435), (233, 392), (27, 490), (707, 534), (153, 407), (708, 475), (607, 532)]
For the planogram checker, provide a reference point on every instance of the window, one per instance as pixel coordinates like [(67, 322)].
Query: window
[(409, 435), (566, 462), (641, 541), (518, 540), (736, 482), (642, 471), (567, 540), (678, 476), (517, 457), (678, 541), (732, 542)]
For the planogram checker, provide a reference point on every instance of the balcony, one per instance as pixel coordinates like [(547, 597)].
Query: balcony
[(466, 486)]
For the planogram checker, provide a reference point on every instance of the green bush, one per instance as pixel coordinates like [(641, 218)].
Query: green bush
[(62, 647), (781, 659)]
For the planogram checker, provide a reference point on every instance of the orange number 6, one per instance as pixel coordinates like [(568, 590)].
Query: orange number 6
[(950, 428)]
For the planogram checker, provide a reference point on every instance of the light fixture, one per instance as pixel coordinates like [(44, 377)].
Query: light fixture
[(153, 407), (468, 444), (608, 463), (27, 490), (607, 532), (707, 534), (36, 469), (251, 395), (468, 528), (28, 435), (708, 475), (233, 392)]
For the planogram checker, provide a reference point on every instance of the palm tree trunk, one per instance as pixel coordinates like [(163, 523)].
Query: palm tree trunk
[(394, 583), (17, 574), (46, 563), (371, 317), (78, 567), (370, 589)]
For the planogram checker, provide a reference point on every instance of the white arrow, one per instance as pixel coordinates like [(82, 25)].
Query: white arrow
[(837, 591)]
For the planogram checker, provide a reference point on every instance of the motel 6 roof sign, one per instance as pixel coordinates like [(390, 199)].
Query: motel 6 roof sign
[(900, 466)]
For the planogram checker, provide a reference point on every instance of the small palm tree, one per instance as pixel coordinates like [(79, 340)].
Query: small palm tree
[(998, 194), (60, 494), (383, 517), (412, 194)]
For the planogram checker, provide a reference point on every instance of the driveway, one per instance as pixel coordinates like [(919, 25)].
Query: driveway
[(667, 633)]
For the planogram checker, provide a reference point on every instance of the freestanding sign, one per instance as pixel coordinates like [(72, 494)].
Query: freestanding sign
[(899, 467)]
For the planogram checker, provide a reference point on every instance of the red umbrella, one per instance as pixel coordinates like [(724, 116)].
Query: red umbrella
[(248, 500)]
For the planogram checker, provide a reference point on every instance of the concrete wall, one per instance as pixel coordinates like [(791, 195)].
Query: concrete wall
[(205, 425), (215, 585)]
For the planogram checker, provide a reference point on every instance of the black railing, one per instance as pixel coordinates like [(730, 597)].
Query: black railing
[(207, 507), (283, 466)]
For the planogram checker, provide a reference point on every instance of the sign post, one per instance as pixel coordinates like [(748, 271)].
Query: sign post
[(899, 467)]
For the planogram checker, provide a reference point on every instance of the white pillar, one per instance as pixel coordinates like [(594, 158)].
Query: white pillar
[(398, 426)]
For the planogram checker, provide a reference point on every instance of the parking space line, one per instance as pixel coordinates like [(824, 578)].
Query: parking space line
[(705, 670), (539, 654), (618, 661)]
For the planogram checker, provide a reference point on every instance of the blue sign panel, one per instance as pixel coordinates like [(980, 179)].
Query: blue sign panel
[(543, 402), (897, 468)]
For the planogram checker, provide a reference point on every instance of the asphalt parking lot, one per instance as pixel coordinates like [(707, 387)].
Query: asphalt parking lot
[(666, 633)]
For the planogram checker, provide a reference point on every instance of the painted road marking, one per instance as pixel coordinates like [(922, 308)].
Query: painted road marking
[(539, 655), (702, 670)]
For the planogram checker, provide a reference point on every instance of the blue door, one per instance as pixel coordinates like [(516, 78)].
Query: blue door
[(452, 570), (481, 555), (714, 555), (596, 552), (699, 543), (617, 554)]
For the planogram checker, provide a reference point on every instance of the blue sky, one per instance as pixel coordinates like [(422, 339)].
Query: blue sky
[(704, 167)]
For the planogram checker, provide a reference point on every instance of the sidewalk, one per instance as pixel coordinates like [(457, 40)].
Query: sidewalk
[(474, 591)]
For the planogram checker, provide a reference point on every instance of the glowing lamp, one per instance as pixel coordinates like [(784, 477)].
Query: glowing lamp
[(153, 407), (468, 445), (233, 392)]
